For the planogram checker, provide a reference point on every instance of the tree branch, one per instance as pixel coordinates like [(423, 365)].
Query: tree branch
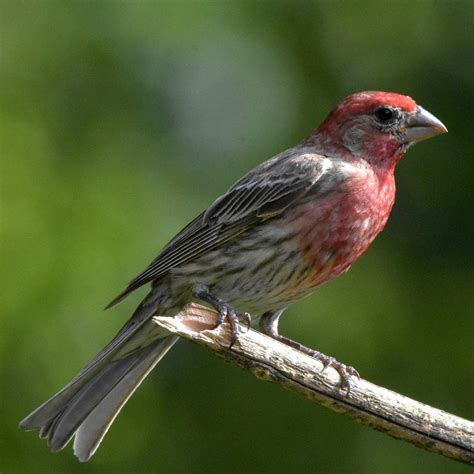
[(377, 407)]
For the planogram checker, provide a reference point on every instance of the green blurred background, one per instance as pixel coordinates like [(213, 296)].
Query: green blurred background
[(121, 121)]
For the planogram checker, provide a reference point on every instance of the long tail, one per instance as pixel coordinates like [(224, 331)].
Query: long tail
[(87, 406)]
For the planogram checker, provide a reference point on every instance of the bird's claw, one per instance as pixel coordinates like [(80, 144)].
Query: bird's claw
[(345, 371), (228, 313), (247, 319)]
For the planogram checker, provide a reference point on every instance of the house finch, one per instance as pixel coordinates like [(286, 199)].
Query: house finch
[(285, 228)]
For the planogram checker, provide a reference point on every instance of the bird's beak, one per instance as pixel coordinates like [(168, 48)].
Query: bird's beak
[(422, 125)]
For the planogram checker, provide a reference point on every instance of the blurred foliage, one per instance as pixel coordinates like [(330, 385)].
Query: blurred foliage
[(120, 121)]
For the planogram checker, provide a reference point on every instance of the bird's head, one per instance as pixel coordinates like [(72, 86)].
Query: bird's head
[(378, 126)]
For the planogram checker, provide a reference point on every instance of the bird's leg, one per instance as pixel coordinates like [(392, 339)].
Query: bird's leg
[(269, 326), (225, 311)]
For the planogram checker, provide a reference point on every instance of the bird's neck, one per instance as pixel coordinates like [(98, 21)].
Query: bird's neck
[(381, 153)]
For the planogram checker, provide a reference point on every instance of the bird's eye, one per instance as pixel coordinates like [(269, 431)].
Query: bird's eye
[(384, 114)]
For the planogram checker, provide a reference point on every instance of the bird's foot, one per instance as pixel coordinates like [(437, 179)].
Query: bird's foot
[(226, 312), (345, 372)]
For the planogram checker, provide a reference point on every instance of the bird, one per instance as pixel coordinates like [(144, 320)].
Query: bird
[(277, 234)]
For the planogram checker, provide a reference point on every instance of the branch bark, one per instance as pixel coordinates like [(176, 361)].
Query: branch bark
[(377, 407)]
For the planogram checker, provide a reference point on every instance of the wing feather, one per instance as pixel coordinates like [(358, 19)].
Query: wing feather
[(263, 193)]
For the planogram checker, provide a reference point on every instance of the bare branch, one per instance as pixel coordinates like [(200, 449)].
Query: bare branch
[(377, 407)]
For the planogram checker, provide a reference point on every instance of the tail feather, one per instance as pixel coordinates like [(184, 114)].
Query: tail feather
[(43, 417), (87, 398), (93, 429), (87, 406)]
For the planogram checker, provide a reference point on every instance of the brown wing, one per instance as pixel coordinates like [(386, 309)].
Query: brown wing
[(261, 194)]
